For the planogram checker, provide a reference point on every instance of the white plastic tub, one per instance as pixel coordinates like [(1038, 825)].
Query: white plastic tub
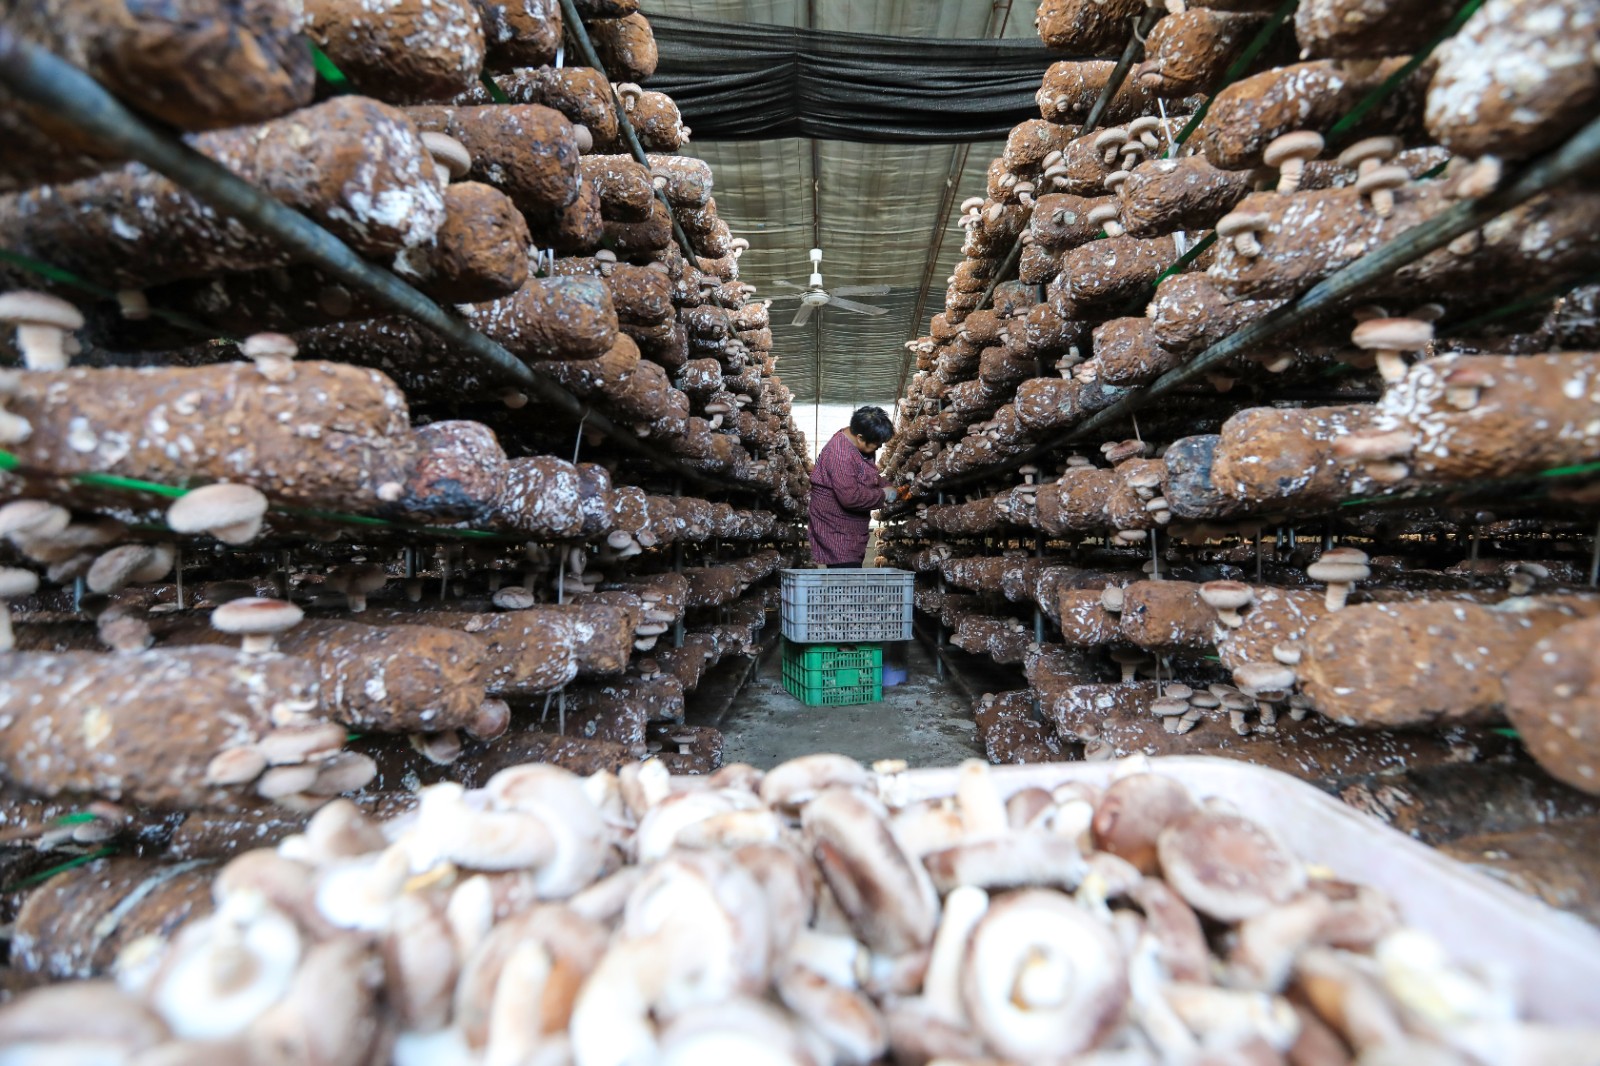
[(1552, 958)]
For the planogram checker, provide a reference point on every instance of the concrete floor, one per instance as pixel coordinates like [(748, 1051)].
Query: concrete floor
[(923, 721)]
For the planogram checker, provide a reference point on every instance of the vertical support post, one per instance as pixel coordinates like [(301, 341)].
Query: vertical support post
[(677, 568), (938, 637)]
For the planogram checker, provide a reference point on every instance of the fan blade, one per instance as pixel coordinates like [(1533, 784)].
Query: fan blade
[(851, 305), (789, 285), (804, 316), (860, 290), (785, 296)]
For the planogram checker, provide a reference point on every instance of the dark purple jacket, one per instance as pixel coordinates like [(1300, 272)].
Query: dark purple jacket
[(845, 489)]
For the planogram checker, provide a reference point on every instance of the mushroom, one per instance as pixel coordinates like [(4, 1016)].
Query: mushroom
[(1044, 978), (356, 582), (1228, 598), (1228, 867), (14, 582), (1370, 153), (225, 970), (1290, 153), (228, 511), (1390, 338), (629, 94), (1145, 129), (1379, 184), (1109, 143), (513, 598), (1133, 812), (1130, 659), (24, 520), (1341, 568), (1105, 215), (130, 564), (450, 157), (257, 619), (44, 323), (273, 354), (1267, 684), (1463, 385), (1241, 227), (1111, 599)]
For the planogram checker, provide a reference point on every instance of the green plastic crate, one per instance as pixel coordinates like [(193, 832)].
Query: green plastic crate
[(831, 675)]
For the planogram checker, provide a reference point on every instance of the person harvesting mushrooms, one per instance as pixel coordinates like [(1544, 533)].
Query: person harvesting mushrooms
[(846, 488)]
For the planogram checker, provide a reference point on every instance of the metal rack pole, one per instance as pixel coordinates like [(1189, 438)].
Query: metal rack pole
[(580, 36)]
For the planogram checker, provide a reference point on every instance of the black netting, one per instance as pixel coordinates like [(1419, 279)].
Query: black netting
[(750, 81)]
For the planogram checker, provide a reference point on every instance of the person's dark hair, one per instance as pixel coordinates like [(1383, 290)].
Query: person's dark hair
[(871, 424)]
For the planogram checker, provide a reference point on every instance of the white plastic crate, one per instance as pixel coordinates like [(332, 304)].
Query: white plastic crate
[(847, 606)]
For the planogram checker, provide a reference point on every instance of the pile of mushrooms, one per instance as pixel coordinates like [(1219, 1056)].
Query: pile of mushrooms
[(807, 915)]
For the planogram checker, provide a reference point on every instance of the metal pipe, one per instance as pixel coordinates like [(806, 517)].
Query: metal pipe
[(1131, 52), (580, 36), (69, 94)]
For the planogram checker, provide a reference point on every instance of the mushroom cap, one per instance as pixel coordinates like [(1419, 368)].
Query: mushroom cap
[(1301, 144), (269, 345), (1107, 138), (1146, 122), (28, 308), (1369, 148), (1133, 812), (447, 150), (224, 503), (1256, 678), (1385, 177), (256, 614), (1237, 222), (1104, 213), (1404, 334), (33, 518), (1228, 867), (513, 598), (15, 581), (1227, 595)]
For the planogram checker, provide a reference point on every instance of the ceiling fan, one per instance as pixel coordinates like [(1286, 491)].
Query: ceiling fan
[(813, 297)]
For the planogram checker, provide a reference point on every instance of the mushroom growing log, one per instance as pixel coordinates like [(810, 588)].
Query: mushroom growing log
[(1070, 89), (381, 678), (548, 318), (479, 253), (1251, 113), (1165, 195), (162, 729), (580, 93), (1552, 698), (316, 440), (1188, 51), (418, 50), (353, 165), (198, 65), (1386, 665), (76, 924), (1104, 274), (528, 152), (519, 33), (1516, 79)]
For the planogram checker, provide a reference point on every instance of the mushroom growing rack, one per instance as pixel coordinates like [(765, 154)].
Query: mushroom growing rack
[(1260, 420), (400, 507)]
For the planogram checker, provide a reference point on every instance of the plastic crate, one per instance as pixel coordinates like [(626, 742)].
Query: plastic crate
[(836, 686), (815, 659), (847, 606)]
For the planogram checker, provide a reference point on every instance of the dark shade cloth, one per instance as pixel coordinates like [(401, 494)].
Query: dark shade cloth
[(752, 81), (845, 489)]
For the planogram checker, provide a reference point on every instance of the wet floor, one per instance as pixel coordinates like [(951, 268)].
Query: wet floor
[(923, 721)]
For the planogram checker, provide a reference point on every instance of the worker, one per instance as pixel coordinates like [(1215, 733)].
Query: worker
[(846, 488)]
